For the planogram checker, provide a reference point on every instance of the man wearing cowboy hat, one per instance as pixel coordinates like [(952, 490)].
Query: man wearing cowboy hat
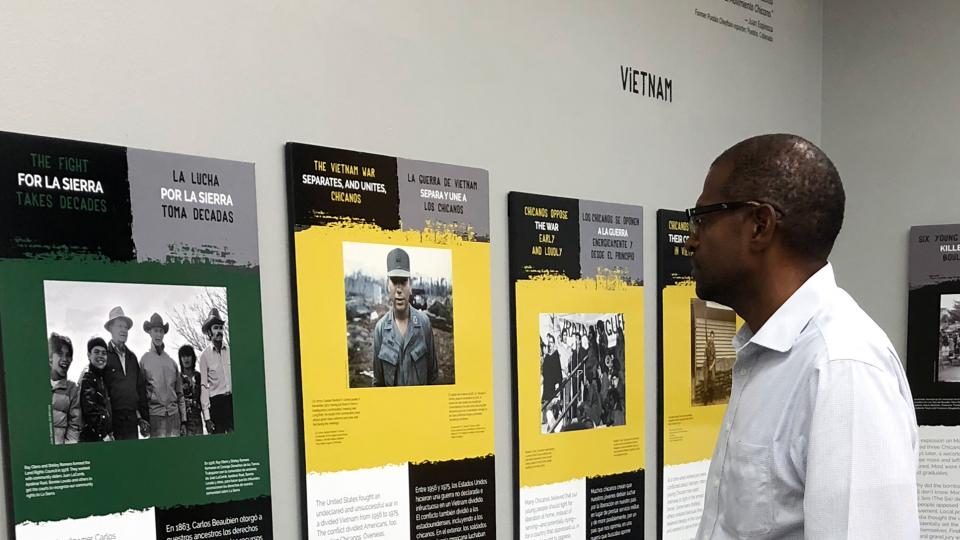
[(403, 353), (164, 387), (216, 390), (125, 382)]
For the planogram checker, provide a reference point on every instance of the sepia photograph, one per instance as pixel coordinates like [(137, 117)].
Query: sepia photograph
[(137, 361), (712, 354), (399, 309), (582, 376), (948, 366)]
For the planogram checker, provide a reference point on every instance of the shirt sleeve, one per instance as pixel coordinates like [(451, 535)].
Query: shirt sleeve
[(178, 388), (143, 405), (432, 373), (204, 391), (377, 366), (861, 461), (74, 421)]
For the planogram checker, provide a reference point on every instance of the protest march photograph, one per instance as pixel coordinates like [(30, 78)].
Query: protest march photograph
[(582, 375)]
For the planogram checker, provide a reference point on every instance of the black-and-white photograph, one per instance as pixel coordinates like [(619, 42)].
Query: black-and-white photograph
[(137, 361), (582, 375), (712, 327), (948, 366), (399, 308)]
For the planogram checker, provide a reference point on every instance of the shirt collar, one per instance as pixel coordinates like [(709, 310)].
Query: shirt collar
[(783, 328), (411, 317)]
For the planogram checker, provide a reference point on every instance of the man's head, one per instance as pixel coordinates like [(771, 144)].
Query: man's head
[(767, 201), (156, 328), (551, 344), (118, 325), (97, 352), (60, 353), (213, 327), (399, 291), (398, 279), (216, 333), (188, 357)]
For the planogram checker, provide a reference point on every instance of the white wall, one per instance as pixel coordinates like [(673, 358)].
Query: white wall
[(529, 90), (891, 124)]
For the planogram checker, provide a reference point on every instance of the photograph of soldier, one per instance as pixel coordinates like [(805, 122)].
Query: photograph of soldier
[(95, 406), (948, 365), (163, 385), (712, 354), (216, 389), (129, 386), (399, 309), (578, 390), (65, 411)]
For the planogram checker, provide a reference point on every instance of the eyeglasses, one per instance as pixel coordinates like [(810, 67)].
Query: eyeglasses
[(695, 214)]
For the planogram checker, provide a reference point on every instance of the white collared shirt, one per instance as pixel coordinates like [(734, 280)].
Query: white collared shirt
[(819, 439), (215, 375)]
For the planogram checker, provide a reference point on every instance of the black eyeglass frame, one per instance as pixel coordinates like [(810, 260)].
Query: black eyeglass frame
[(698, 211)]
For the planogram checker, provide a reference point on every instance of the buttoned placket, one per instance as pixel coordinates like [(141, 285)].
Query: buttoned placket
[(404, 342), (122, 355), (741, 372)]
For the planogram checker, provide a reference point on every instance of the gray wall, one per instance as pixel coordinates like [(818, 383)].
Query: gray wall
[(529, 90), (891, 123)]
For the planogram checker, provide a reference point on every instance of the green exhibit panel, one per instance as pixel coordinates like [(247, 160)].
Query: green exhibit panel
[(136, 275)]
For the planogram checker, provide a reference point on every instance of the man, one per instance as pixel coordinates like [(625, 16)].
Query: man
[(168, 414), (125, 383), (216, 382), (403, 353), (65, 405), (588, 355), (94, 400), (552, 374), (613, 413), (709, 367), (565, 350), (819, 439)]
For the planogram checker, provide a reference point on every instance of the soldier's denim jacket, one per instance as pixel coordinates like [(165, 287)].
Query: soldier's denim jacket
[(404, 361)]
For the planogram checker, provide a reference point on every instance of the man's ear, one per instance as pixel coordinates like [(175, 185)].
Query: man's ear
[(763, 221)]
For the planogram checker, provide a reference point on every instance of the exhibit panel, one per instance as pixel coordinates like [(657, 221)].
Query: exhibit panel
[(576, 271), (136, 274), (391, 278), (696, 358), (933, 369)]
